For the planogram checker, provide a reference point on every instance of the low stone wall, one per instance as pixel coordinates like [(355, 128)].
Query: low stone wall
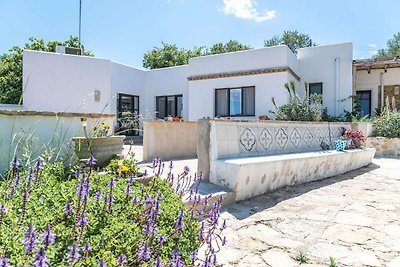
[(169, 140), (29, 133), (385, 147), (250, 177)]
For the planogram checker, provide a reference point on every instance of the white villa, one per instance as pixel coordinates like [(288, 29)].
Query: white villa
[(238, 84)]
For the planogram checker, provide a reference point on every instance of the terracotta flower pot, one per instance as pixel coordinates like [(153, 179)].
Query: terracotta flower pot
[(104, 148)]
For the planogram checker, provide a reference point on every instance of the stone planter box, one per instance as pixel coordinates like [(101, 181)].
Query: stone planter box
[(103, 148), (385, 147)]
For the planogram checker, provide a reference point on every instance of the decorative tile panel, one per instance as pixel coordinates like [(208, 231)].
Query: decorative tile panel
[(260, 138)]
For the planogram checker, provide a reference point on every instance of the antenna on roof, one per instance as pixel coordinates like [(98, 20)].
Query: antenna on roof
[(80, 19)]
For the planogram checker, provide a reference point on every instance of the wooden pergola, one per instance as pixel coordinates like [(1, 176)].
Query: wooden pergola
[(373, 64)]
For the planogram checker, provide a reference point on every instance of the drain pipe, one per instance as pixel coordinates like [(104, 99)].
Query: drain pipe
[(337, 69), (382, 91)]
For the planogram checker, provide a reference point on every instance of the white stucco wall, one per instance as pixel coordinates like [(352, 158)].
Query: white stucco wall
[(202, 99), (65, 83), (365, 81), (269, 57), (166, 81), (317, 64), (127, 80)]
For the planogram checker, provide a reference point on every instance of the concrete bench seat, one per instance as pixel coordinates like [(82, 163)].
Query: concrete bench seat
[(253, 176)]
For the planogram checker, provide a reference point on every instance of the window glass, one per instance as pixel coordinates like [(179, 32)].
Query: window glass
[(171, 107), (235, 102), (315, 88), (221, 102), (160, 106), (249, 101), (180, 106)]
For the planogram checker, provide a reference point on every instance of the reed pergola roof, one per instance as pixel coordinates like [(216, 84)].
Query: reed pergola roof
[(373, 64)]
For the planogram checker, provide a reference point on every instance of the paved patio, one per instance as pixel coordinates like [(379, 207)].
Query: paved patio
[(354, 218)]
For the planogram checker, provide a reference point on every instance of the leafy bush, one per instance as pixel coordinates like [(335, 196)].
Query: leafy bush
[(387, 125), (92, 219), (308, 108)]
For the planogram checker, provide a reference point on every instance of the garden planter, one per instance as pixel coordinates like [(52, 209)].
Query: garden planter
[(103, 148), (340, 145)]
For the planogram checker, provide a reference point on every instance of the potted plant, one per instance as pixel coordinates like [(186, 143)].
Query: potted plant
[(100, 143), (357, 138), (263, 118)]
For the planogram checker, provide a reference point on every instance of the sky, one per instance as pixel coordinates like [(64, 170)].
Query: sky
[(123, 30)]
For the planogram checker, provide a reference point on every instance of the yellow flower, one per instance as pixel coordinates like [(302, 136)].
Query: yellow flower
[(106, 126)]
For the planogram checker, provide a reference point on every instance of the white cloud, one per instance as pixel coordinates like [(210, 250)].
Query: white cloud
[(372, 45), (246, 9)]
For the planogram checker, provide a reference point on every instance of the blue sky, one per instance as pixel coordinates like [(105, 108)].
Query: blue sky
[(123, 30)]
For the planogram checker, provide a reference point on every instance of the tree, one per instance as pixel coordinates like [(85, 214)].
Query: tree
[(293, 39), (231, 46), (11, 66), (392, 50), (169, 55)]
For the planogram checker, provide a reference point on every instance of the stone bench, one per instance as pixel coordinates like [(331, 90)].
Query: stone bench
[(253, 176)]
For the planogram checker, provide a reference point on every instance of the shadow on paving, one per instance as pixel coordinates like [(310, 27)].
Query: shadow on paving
[(243, 209)]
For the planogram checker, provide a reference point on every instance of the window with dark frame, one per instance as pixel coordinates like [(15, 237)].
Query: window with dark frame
[(169, 105), (235, 102), (315, 88)]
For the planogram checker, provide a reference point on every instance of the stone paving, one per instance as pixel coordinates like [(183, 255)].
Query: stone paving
[(353, 218)]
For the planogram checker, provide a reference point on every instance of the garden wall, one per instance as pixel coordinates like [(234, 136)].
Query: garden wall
[(236, 139), (385, 147), (169, 140), (28, 134)]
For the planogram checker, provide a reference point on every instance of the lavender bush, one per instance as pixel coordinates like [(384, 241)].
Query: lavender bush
[(105, 220)]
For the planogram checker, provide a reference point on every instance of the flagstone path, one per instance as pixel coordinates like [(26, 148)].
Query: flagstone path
[(354, 218)]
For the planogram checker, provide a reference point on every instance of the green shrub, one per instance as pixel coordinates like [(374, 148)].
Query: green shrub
[(112, 230), (308, 108), (387, 125)]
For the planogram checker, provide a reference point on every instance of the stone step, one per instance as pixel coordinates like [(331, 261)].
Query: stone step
[(206, 189)]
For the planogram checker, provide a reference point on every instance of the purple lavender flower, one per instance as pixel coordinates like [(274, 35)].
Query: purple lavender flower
[(193, 256), (102, 264), (161, 240), (68, 209), (149, 229), (78, 173), (122, 260), (144, 253), (31, 176), (29, 239), (158, 263), (3, 209), (98, 194), (41, 259), (149, 201), (128, 190), (48, 237), (4, 262), (176, 259), (91, 161), (86, 249), (16, 163), (111, 184), (135, 200), (73, 254), (83, 221), (39, 165), (179, 221), (186, 170)]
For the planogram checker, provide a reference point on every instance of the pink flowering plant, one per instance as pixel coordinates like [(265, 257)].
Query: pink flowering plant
[(52, 217), (357, 138)]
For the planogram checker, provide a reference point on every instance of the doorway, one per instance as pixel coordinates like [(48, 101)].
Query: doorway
[(128, 115), (365, 102)]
